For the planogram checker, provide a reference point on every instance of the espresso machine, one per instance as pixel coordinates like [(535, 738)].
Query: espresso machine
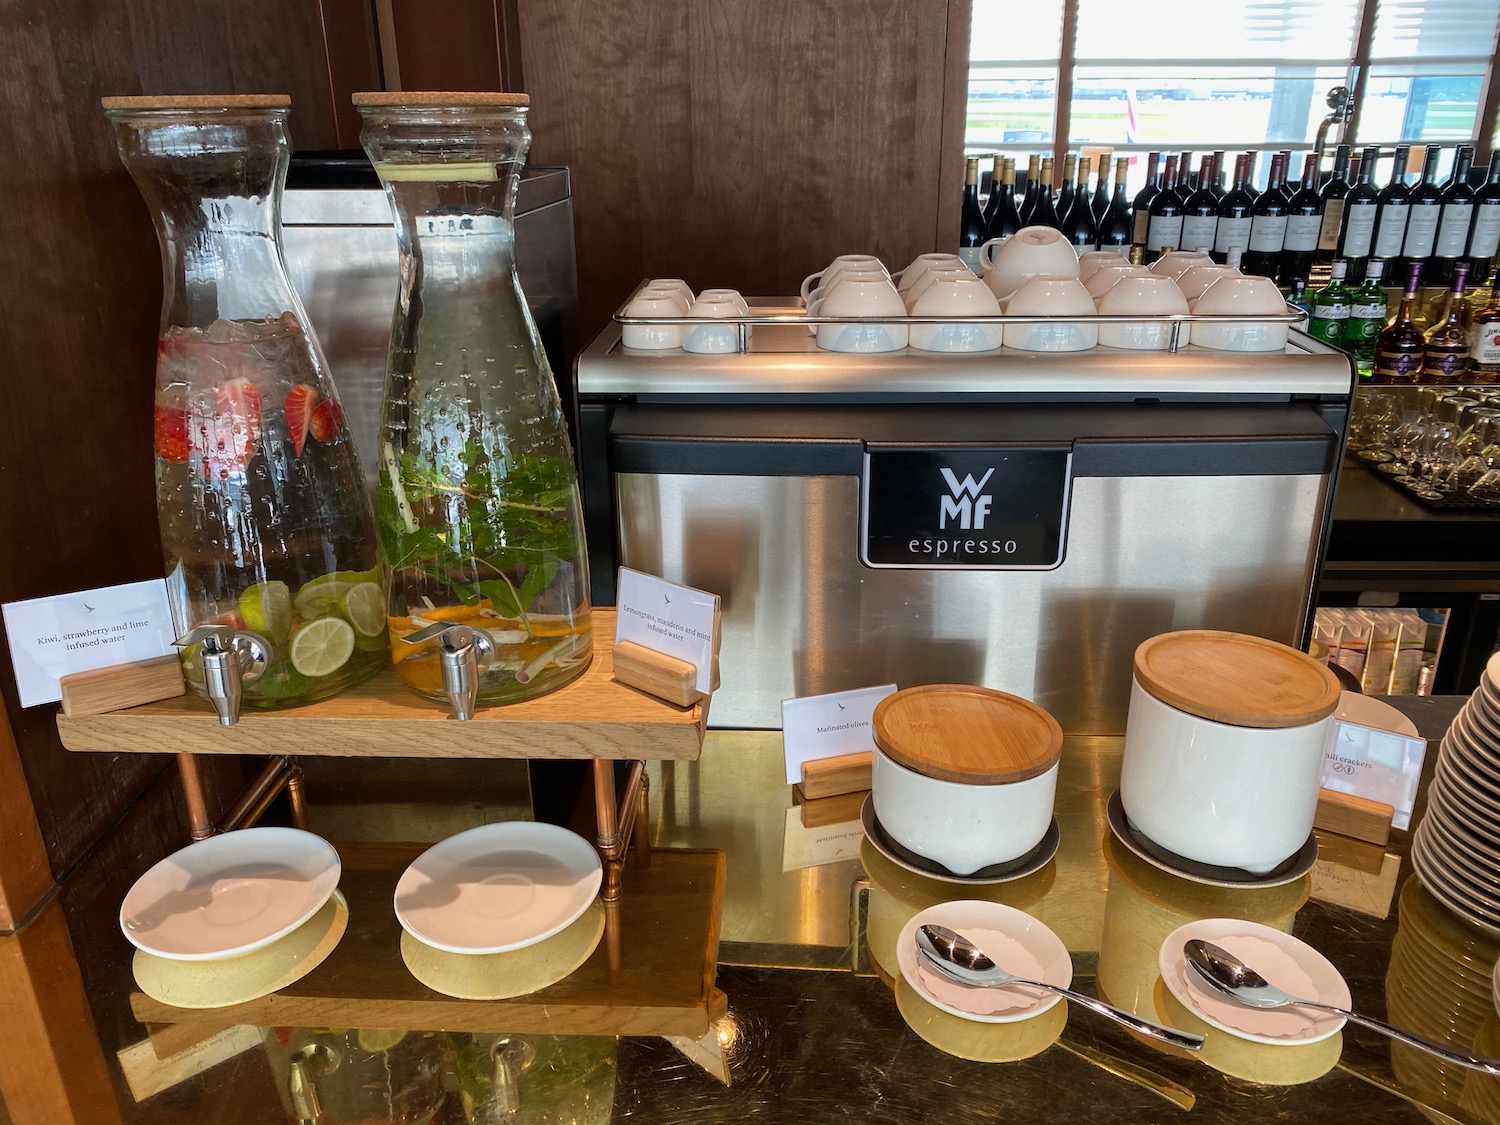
[(1012, 519)]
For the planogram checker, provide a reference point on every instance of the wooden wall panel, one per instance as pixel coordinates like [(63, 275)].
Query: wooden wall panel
[(445, 44), (746, 142), (82, 293)]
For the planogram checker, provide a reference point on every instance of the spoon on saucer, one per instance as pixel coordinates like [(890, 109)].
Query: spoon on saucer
[(1227, 974), (959, 960)]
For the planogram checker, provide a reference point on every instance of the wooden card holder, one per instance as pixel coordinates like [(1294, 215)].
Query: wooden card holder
[(102, 690), (1358, 817), (660, 675), (828, 777)]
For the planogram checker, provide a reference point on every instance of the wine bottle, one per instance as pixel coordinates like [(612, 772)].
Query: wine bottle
[(1484, 333), (1164, 222), (1267, 224), (1217, 187), (1032, 189), (1335, 195), (1398, 350), (1367, 308), (1357, 228), (1390, 222), (971, 219), (1331, 306), (1484, 238), (1006, 219), (997, 178), (1200, 211), (1287, 187), (1117, 227), (1186, 183), (1234, 212), (1426, 206), (1065, 193), (1445, 351), (1452, 242), (1044, 214), (1143, 198), (1078, 221), (1304, 220), (1100, 202)]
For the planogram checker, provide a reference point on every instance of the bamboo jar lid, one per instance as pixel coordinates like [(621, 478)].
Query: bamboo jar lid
[(974, 735), (438, 99), (1237, 679), (129, 102)]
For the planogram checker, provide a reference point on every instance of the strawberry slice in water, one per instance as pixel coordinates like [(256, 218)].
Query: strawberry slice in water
[(327, 420), (231, 437), (300, 401), (170, 429)]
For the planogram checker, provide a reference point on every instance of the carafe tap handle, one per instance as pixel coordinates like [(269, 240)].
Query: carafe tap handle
[(230, 660), (308, 1065), (509, 1058), (464, 653)]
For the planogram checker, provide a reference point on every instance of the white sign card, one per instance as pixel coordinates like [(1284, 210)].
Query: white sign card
[(1378, 765), (803, 847), (670, 619), (826, 726), (53, 637)]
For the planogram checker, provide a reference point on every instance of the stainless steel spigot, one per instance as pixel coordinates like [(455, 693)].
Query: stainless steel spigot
[(230, 661), (509, 1056), (464, 652), (308, 1065)]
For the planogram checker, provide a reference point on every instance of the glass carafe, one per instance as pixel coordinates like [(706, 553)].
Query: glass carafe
[(478, 508), (266, 524)]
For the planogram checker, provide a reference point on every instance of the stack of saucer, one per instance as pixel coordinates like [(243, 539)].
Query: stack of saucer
[(1457, 844), (235, 917), (500, 910)]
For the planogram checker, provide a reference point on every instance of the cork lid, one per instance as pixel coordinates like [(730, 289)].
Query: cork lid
[(438, 98), (1236, 679), (976, 735), (197, 101)]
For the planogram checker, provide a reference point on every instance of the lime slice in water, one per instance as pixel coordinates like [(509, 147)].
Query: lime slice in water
[(374, 1039), (364, 606), (322, 647), (322, 595), (267, 609)]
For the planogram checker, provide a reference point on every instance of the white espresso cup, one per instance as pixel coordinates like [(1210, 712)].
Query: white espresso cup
[(1030, 252), (1090, 260), (825, 277), (923, 264), (866, 297), (1178, 261), (653, 337), (1059, 297), (713, 339), (1194, 281), (1105, 276), (675, 285), (1143, 296), (956, 293), (1232, 296)]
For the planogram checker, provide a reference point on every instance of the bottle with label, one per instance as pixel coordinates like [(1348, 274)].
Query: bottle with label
[(992, 201), (1304, 220), (1334, 194), (1425, 207), (1032, 189), (1331, 308), (1267, 224), (1298, 297), (1164, 222), (1200, 211), (971, 219), (1233, 226), (1367, 308), (1004, 220), (1484, 337), (1390, 222), (1484, 237), (1217, 187), (1141, 207), (1065, 192), (1453, 224), (1287, 168), (1100, 203), (1117, 226), (1044, 213), (1357, 228), (1445, 353), (1399, 348), (1078, 220)]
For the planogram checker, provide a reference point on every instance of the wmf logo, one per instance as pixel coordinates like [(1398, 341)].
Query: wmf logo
[(967, 505)]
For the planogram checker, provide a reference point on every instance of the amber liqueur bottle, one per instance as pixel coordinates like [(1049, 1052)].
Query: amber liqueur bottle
[(1445, 352), (1399, 351)]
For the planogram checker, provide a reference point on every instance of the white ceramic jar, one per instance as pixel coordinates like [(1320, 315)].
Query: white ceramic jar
[(964, 776), (1224, 747)]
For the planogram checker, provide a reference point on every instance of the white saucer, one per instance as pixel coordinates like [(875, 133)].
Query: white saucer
[(230, 894), (1289, 964), (1013, 939), (498, 887)]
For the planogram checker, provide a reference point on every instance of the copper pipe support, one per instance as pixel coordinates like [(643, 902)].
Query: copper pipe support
[(192, 792), (642, 837), (271, 777), (296, 795)]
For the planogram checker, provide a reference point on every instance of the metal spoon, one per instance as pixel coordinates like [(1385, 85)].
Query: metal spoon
[(957, 959), (1226, 973)]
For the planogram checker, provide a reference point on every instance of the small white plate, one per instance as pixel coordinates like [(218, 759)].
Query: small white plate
[(1291, 965), (1011, 938), (498, 887), (230, 894)]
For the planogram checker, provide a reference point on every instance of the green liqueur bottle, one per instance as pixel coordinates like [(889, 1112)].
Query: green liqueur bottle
[(1331, 307), (1367, 309)]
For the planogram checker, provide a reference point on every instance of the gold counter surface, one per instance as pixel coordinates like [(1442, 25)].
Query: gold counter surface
[(820, 1025)]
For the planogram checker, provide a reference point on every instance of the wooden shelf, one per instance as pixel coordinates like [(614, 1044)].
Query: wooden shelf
[(594, 717), (653, 975)]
